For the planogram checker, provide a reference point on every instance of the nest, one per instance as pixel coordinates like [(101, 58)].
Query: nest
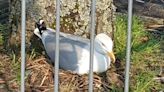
[(40, 78)]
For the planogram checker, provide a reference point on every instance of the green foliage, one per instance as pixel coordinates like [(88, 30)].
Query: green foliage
[(33, 54), (144, 81), (116, 89), (1, 39), (3, 33), (121, 33), (16, 66), (143, 47)]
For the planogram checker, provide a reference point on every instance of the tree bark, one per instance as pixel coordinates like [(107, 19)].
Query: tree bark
[(75, 16)]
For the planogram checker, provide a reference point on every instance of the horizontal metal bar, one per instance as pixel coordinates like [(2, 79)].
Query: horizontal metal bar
[(6, 9), (1, 1), (4, 5), (4, 15), (4, 20)]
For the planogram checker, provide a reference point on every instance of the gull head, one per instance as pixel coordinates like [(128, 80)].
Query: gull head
[(104, 45), (40, 26)]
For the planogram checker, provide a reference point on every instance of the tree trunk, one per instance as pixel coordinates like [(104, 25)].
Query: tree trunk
[(75, 16)]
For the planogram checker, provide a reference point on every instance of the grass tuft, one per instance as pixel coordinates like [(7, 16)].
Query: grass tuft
[(121, 34), (145, 52)]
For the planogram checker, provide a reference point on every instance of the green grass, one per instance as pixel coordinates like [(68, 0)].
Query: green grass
[(144, 50), (16, 66), (144, 81), (120, 34), (1, 39)]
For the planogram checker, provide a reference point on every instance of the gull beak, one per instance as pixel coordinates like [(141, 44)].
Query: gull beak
[(111, 55), (36, 32)]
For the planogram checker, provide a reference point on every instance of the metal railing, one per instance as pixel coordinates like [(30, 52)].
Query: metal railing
[(93, 9), (4, 11), (57, 46), (23, 46), (92, 32), (128, 46)]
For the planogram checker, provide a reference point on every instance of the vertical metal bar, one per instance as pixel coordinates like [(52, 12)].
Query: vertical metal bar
[(128, 48), (23, 37), (93, 15), (57, 46)]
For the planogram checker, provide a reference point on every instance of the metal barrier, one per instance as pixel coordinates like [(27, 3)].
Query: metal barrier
[(128, 46), (4, 11), (23, 46), (57, 46), (93, 9)]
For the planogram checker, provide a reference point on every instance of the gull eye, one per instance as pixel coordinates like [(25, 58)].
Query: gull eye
[(103, 44), (37, 25), (43, 23)]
